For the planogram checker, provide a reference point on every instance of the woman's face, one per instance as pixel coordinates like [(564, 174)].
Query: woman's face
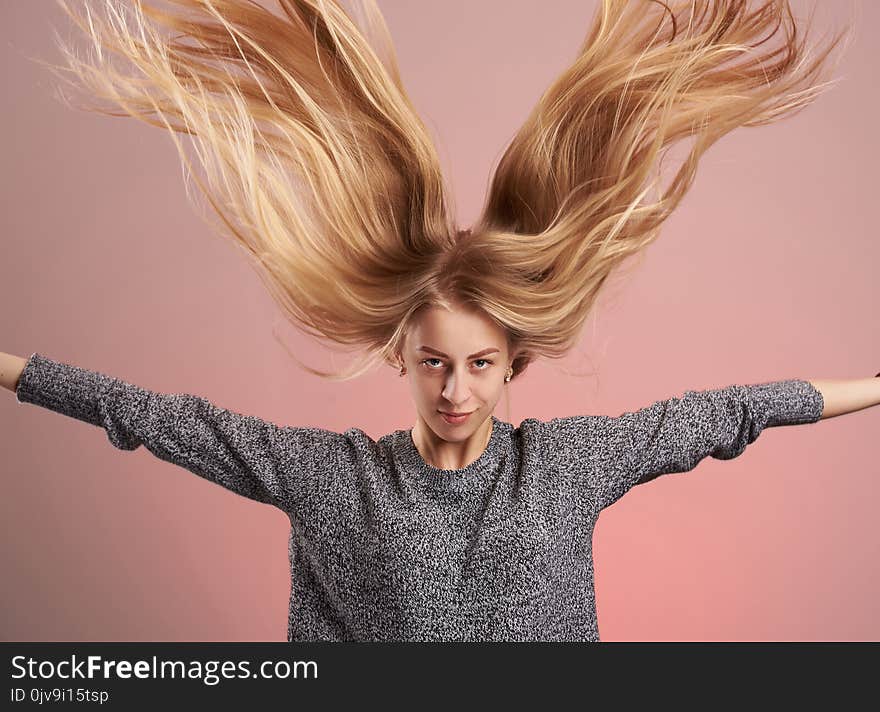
[(456, 362)]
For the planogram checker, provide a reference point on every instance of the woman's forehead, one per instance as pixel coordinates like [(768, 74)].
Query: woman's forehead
[(456, 324)]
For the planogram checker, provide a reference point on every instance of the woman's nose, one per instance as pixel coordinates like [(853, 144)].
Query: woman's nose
[(457, 389)]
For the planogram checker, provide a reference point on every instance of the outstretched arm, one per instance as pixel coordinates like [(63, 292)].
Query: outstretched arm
[(249, 456), (609, 455), (847, 396)]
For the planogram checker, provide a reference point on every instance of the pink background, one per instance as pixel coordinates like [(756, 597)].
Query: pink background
[(767, 271)]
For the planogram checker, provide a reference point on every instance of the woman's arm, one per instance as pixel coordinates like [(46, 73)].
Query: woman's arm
[(252, 457), (10, 370), (612, 454), (848, 396), (675, 434)]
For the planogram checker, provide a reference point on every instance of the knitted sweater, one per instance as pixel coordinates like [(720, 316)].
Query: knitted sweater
[(384, 546)]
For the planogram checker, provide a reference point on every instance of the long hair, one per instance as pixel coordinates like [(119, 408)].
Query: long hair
[(320, 169)]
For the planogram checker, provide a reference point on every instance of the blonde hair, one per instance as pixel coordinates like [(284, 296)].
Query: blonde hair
[(320, 169)]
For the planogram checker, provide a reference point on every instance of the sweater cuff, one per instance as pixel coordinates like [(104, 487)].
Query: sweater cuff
[(63, 388), (789, 402)]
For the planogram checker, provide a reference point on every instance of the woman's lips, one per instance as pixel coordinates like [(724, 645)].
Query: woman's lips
[(454, 419)]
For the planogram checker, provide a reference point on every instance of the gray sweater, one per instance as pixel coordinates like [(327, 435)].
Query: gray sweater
[(383, 546)]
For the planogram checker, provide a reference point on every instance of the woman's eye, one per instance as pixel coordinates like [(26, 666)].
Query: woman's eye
[(479, 360)]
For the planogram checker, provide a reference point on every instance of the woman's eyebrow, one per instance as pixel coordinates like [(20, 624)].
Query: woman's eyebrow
[(440, 353)]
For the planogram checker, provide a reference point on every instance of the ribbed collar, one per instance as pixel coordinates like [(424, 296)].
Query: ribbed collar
[(410, 459)]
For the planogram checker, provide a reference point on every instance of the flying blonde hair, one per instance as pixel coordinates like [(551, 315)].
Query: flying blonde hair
[(320, 169)]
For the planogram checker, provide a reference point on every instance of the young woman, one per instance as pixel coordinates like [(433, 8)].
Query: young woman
[(463, 527)]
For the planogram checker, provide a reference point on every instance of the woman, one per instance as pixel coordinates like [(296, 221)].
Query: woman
[(463, 527)]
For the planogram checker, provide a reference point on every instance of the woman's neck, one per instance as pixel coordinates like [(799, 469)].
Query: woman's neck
[(451, 454)]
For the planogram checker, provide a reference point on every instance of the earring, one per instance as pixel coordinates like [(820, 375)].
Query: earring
[(509, 375), (402, 371)]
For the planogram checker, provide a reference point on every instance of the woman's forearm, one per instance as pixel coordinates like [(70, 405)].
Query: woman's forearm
[(10, 369), (848, 395)]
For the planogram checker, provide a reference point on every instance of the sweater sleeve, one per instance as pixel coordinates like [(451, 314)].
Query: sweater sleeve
[(242, 453), (675, 434)]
